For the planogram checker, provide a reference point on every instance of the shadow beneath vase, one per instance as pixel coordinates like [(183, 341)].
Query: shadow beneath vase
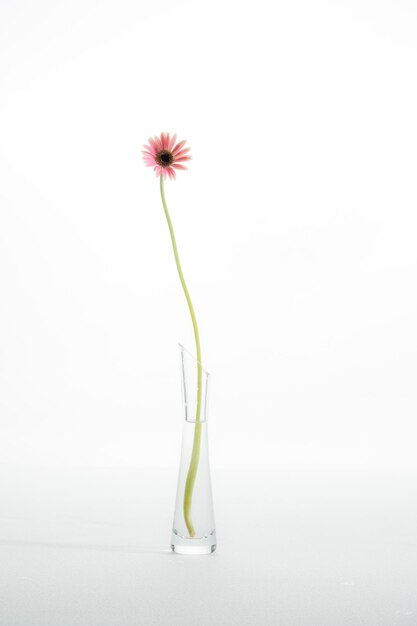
[(132, 549)]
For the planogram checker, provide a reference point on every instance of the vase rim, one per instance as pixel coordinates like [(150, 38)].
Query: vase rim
[(191, 355)]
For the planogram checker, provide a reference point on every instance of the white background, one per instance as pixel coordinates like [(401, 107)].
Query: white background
[(296, 224)]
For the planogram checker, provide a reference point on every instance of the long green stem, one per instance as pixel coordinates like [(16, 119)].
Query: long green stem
[(195, 455)]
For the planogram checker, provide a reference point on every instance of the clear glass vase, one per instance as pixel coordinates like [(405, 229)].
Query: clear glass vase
[(193, 530)]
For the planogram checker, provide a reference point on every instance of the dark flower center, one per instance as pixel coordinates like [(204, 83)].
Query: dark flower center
[(164, 158)]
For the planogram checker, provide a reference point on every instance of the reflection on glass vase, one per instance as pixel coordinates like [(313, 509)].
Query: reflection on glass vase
[(193, 529)]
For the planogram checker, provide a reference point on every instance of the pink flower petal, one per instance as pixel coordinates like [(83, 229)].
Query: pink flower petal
[(181, 152), (164, 141), (171, 173), (153, 145), (150, 151), (158, 143), (148, 155), (181, 155), (172, 142), (179, 167), (183, 158), (178, 147)]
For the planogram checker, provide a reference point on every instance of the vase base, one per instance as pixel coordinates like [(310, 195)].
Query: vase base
[(196, 546), (192, 550)]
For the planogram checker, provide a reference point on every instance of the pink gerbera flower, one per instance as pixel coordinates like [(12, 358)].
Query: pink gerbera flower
[(165, 156)]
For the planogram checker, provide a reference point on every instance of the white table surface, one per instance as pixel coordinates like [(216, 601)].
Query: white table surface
[(90, 547)]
